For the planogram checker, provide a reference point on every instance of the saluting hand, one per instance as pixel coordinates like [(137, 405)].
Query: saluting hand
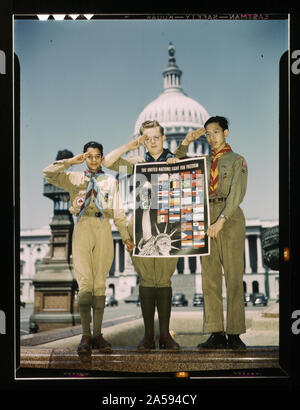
[(78, 159), (134, 144), (194, 135)]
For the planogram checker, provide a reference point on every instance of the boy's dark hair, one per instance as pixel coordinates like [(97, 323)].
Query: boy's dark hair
[(93, 144), (222, 121)]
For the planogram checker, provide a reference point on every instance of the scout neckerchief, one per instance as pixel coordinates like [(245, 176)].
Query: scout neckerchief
[(163, 157), (92, 187), (214, 173)]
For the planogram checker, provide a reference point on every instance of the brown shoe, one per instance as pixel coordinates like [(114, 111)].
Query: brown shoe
[(85, 344), (147, 343), (167, 342), (101, 344)]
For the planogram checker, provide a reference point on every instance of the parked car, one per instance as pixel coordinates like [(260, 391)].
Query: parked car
[(179, 300), (111, 301), (198, 299), (248, 297), (33, 327), (259, 299)]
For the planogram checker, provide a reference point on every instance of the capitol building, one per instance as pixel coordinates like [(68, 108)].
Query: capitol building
[(178, 114)]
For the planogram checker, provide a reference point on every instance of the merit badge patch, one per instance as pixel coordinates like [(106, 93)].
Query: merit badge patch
[(78, 201)]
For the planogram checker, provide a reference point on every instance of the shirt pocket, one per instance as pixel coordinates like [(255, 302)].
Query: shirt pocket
[(107, 199), (77, 199), (225, 178)]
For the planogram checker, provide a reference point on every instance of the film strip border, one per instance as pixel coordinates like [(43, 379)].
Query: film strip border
[(169, 16), (44, 17)]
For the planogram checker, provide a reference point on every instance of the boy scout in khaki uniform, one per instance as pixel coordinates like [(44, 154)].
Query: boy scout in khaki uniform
[(154, 273), (227, 173), (94, 199)]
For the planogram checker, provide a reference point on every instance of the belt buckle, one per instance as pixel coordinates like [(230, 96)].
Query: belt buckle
[(216, 199)]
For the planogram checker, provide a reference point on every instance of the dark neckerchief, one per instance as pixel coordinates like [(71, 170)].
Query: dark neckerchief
[(163, 157), (90, 174), (92, 188)]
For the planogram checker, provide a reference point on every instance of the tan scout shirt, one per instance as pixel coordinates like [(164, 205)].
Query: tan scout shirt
[(233, 174), (76, 184)]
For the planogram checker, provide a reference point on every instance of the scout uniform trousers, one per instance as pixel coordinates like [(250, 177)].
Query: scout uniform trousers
[(153, 272), (92, 251), (227, 250), (155, 290)]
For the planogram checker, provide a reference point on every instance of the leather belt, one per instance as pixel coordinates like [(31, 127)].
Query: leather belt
[(95, 214), (217, 199)]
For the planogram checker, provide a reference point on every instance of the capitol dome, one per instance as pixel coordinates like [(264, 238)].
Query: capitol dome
[(175, 111)]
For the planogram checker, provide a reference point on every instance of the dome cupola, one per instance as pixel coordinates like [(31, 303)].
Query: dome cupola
[(175, 111)]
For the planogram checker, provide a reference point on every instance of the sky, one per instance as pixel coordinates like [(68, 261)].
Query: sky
[(89, 80)]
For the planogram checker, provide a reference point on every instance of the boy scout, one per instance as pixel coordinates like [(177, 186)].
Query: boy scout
[(227, 173), (154, 273), (94, 199)]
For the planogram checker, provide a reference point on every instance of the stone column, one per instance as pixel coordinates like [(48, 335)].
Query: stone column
[(186, 267), (198, 264), (247, 256), (260, 267), (199, 149), (191, 149), (117, 258), (128, 266), (198, 283), (173, 145), (176, 270)]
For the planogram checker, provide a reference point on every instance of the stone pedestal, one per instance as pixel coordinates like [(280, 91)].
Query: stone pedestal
[(55, 303), (55, 286)]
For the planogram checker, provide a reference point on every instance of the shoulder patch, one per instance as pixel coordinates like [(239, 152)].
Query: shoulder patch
[(242, 159)]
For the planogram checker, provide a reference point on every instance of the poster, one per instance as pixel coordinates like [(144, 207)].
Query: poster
[(171, 215)]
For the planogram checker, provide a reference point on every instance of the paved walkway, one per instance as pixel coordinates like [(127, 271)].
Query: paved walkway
[(262, 330)]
